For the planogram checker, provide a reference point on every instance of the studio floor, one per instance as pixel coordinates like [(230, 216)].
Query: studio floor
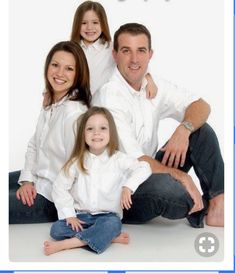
[(159, 240)]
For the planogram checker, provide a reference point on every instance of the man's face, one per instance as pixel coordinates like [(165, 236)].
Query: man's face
[(132, 57)]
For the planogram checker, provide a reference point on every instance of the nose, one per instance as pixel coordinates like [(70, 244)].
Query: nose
[(96, 131), (89, 25), (134, 57), (60, 71)]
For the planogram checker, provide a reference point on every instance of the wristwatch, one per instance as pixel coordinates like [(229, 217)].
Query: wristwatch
[(188, 125)]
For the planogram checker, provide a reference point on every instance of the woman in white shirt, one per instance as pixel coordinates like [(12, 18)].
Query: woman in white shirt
[(94, 186), (66, 76), (91, 30)]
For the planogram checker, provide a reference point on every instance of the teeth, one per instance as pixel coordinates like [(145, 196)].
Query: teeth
[(97, 140), (134, 67), (58, 81)]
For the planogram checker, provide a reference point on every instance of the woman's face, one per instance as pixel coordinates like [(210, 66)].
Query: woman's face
[(61, 73), (90, 28)]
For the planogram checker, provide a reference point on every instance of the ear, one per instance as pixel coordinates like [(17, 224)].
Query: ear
[(150, 54)]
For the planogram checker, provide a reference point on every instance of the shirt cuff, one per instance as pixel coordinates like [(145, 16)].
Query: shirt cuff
[(26, 176), (66, 212)]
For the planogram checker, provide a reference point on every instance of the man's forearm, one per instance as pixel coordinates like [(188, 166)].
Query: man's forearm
[(197, 113)]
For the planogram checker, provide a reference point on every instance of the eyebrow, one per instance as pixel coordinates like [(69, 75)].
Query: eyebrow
[(126, 47), (93, 20), (68, 65)]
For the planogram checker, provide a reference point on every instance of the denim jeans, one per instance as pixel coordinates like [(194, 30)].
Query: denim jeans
[(162, 195), (42, 211), (99, 230)]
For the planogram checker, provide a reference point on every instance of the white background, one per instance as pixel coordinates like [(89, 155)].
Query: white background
[(187, 41), (189, 45)]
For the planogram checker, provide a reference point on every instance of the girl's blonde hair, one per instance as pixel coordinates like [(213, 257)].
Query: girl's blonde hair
[(78, 17), (80, 146)]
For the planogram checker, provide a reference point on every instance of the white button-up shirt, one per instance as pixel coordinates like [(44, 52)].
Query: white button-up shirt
[(51, 145), (100, 62), (137, 118), (100, 189)]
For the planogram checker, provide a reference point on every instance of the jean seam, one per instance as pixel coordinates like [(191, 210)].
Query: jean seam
[(204, 177)]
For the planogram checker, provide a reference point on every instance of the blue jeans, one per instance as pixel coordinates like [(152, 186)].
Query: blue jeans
[(99, 230), (42, 211), (162, 195)]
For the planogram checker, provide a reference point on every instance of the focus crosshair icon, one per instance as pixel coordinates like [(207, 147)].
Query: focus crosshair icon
[(206, 244)]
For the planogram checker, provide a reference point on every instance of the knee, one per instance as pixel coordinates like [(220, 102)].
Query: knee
[(206, 132), (113, 222), (163, 188), (13, 178), (57, 230)]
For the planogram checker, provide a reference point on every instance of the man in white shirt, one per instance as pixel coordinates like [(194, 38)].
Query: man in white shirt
[(170, 191)]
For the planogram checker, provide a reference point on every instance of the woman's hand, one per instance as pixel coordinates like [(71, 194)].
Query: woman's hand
[(126, 198), (27, 193), (75, 223)]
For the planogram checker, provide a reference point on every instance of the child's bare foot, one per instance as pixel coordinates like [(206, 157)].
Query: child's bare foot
[(215, 216), (51, 247), (123, 238)]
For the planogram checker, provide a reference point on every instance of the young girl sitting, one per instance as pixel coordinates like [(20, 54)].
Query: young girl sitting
[(91, 30), (94, 186)]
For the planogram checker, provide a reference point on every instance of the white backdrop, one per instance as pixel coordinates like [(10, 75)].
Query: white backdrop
[(188, 50), (189, 44)]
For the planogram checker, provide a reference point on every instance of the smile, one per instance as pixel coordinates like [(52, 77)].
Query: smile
[(59, 81), (134, 67)]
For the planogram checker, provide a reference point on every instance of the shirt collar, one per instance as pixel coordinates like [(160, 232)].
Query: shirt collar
[(130, 88), (65, 98), (103, 157), (98, 45)]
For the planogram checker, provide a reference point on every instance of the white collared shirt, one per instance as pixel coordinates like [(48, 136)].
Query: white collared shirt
[(100, 62), (100, 190), (51, 145), (137, 118)]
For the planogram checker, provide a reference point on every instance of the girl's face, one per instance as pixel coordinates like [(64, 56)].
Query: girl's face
[(90, 28), (61, 73), (97, 133)]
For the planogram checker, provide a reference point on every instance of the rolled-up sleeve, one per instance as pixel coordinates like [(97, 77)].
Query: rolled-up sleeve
[(175, 100)]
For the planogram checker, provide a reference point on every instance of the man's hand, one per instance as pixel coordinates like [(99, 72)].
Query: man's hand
[(27, 193), (75, 223), (126, 198), (176, 148)]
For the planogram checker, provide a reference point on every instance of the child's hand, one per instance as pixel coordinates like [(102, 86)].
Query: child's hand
[(151, 89), (126, 198), (75, 223)]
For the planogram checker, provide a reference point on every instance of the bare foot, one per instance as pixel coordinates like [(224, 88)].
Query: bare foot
[(123, 238), (215, 216), (51, 247)]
